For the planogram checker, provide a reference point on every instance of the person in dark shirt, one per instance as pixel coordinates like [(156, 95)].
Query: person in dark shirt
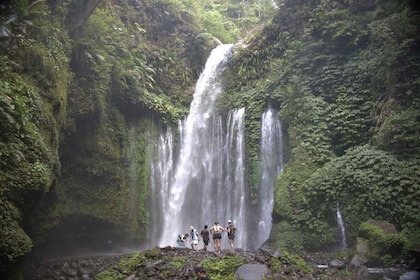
[(231, 234), (205, 234), (201, 275)]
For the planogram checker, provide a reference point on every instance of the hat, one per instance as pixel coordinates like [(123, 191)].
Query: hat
[(191, 227), (229, 222)]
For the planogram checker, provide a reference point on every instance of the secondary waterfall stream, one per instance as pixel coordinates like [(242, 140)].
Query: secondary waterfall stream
[(271, 165), (342, 232), (198, 175)]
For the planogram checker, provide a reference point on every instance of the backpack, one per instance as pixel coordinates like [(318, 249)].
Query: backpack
[(231, 233), (194, 234)]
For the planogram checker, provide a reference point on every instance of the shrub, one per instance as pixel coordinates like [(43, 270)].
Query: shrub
[(222, 269), (381, 243)]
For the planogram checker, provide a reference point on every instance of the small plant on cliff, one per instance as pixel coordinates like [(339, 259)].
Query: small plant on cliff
[(131, 264), (287, 258), (125, 267), (275, 265), (302, 265), (110, 274), (178, 262), (222, 269)]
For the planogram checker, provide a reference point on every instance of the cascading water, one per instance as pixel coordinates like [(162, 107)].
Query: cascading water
[(161, 176), (342, 233), (200, 191), (271, 164), (204, 181)]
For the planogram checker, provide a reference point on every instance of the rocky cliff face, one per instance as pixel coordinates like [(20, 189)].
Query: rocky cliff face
[(177, 263), (77, 105), (99, 196), (180, 263)]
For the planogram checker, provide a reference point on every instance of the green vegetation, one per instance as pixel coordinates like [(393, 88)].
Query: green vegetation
[(300, 263), (378, 185), (126, 266), (80, 91), (33, 79), (179, 262), (380, 244), (344, 78), (222, 268), (286, 238), (231, 20), (216, 268), (44, 73)]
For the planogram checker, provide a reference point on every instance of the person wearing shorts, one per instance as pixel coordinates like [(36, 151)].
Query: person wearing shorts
[(216, 230), (194, 238), (231, 234)]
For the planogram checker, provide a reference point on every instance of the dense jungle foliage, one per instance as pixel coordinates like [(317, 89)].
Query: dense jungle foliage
[(83, 82), (345, 75)]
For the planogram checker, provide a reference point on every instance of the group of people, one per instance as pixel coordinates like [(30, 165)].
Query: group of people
[(216, 231)]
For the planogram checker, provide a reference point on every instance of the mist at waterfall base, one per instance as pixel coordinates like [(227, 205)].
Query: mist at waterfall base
[(202, 180)]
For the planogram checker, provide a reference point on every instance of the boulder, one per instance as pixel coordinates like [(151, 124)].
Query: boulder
[(337, 264), (378, 243), (358, 258), (411, 275), (252, 271)]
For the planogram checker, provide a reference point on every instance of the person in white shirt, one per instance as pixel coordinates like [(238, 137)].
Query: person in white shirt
[(194, 238)]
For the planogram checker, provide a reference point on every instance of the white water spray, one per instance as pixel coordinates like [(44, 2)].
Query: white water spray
[(271, 164), (161, 176), (194, 196)]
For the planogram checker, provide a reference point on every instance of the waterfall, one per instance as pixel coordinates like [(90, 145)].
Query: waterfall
[(161, 175), (342, 233), (200, 190), (236, 202), (271, 164), (198, 175)]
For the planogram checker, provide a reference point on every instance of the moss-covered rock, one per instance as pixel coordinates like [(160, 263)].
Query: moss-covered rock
[(378, 244)]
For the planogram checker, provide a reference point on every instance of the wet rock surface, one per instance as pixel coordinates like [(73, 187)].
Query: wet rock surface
[(252, 271), (159, 265)]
